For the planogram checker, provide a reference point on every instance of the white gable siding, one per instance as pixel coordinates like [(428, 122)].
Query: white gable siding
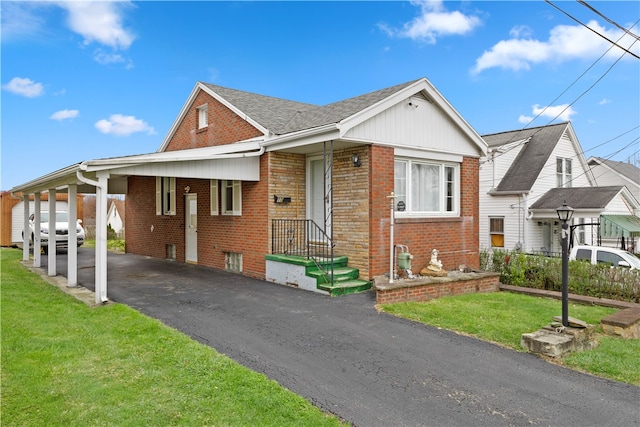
[(606, 177), (618, 206), (547, 178), (420, 125)]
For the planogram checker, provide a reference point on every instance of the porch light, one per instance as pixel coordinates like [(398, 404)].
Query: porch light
[(356, 161), (564, 212)]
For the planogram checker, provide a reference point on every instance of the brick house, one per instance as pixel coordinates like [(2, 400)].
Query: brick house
[(241, 176)]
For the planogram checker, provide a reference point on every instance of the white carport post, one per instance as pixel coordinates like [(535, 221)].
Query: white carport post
[(101, 236), (72, 245), (52, 233), (37, 246), (25, 228)]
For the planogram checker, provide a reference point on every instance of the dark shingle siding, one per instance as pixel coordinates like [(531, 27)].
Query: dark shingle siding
[(530, 161), (578, 198)]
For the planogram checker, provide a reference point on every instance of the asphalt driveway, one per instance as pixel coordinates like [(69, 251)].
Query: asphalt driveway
[(369, 368)]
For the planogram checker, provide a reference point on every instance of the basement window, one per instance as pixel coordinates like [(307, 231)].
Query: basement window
[(233, 262)]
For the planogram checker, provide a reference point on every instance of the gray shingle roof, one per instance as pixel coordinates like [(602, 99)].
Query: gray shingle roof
[(282, 116), (528, 164), (625, 169), (596, 198), (272, 113)]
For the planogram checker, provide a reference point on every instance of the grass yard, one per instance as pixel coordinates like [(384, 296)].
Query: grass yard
[(64, 363), (503, 317)]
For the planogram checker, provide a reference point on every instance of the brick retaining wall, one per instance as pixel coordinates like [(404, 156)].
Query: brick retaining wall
[(431, 288)]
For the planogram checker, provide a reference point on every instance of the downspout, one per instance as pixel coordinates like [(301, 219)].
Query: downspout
[(101, 232)]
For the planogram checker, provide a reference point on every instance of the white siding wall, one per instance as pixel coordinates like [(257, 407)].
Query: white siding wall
[(499, 206), (426, 126), (605, 177)]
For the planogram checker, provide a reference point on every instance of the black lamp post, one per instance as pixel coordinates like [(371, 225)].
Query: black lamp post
[(564, 214)]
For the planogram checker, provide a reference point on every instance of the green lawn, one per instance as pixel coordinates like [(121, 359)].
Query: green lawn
[(64, 363), (503, 317)]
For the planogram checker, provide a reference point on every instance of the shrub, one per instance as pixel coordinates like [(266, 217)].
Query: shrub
[(540, 272)]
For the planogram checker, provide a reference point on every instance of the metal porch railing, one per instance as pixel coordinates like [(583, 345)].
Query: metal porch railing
[(303, 237)]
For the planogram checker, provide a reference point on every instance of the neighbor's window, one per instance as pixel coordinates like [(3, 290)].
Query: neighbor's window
[(231, 197), (563, 173), (426, 188), (496, 232), (165, 195), (203, 116)]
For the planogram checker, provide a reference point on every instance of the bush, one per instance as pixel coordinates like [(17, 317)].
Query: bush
[(540, 272)]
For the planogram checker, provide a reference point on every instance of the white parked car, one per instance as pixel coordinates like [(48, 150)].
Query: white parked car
[(62, 230), (603, 255)]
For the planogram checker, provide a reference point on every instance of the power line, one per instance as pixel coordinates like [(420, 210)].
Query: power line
[(612, 22), (513, 138), (594, 31)]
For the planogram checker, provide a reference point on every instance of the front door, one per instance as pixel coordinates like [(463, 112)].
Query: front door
[(317, 193), (191, 228)]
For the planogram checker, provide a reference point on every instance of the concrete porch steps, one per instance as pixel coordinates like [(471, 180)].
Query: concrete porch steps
[(345, 279)]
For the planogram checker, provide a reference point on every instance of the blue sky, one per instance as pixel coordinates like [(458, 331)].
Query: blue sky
[(88, 80)]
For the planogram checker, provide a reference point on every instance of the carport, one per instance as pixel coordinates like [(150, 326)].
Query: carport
[(102, 177)]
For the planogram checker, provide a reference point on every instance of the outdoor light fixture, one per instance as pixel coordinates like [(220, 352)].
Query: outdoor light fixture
[(564, 214), (356, 161)]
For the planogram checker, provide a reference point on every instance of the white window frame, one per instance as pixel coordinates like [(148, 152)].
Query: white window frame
[(564, 172), (213, 195), (493, 232), (203, 116), (165, 195), (444, 195), (231, 192)]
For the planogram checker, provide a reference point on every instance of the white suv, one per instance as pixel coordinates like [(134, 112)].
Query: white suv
[(62, 230), (602, 255)]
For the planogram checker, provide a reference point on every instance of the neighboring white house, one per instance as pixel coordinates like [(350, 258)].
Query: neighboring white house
[(529, 173), (611, 172), (115, 216)]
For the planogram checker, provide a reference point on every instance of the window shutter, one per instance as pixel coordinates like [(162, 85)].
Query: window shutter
[(172, 196), (214, 197), (158, 195), (237, 197)]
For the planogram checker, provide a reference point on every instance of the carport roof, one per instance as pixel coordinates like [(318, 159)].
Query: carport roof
[(88, 169)]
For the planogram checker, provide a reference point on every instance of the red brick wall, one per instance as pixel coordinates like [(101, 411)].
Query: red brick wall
[(456, 239), (225, 127), (429, 291), (246, 234)]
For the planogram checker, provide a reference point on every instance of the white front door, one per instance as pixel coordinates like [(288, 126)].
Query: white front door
[(317, 192), (191, 228)]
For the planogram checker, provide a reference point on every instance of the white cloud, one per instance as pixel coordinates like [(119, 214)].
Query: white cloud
[(99, 21), (433, 22), (525, 119), (604, 101), (19, 19), (565, 43), (121, 125), (25, 87), (64, 115), (562, 112)]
